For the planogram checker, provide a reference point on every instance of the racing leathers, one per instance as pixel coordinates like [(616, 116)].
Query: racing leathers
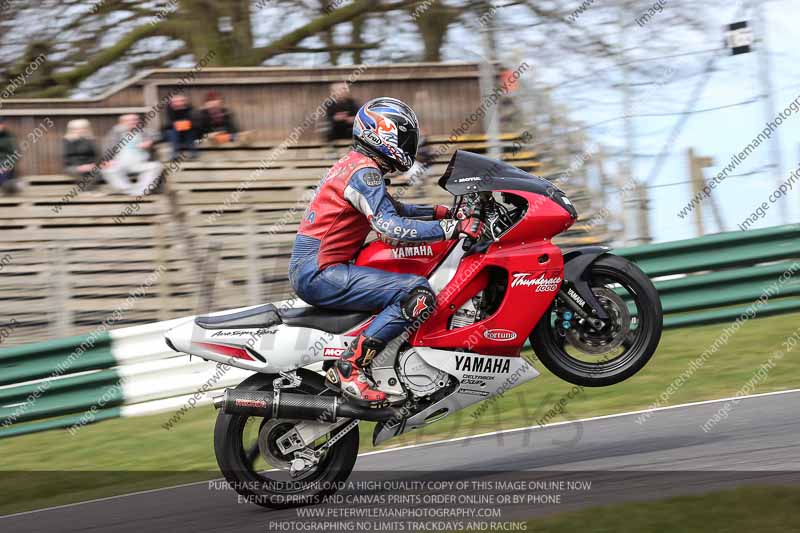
[(351, 201)]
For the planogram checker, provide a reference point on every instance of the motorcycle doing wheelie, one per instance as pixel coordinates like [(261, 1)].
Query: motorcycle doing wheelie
[(594, 319)]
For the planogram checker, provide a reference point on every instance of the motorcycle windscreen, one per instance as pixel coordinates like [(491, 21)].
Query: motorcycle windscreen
[(468, 172)]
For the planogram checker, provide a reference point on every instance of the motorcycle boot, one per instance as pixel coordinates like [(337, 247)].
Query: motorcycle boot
[(347, 373)]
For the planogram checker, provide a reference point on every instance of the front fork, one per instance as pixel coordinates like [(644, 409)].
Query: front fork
[(576, 291), (583, 303)]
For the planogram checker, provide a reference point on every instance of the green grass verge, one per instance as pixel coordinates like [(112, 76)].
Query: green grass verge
[(746, 509), (142, 444)]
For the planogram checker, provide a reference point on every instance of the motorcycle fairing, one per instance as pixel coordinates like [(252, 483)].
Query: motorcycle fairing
[(269, 348), (477, 376), (517, 314), (527, 258)]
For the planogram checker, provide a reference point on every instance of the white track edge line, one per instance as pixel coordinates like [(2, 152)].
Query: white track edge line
[(424, 444), (590, 419)]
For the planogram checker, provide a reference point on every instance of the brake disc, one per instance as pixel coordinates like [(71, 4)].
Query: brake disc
[(590, 340)]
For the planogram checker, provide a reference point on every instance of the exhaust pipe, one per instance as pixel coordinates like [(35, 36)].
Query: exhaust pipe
[(218, 400), (279, 404)]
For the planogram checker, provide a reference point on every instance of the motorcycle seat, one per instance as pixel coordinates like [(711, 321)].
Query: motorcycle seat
[(263, 316), (328, 320), (267, 315)]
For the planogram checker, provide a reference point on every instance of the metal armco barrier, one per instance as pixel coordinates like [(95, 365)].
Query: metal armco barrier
[(719, 277), (130, 371), (72, 382)]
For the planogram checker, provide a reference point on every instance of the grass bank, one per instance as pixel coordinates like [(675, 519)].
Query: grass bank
[(185, 453)]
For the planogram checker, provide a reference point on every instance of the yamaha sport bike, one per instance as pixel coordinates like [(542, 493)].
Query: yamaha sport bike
[(594, 319)]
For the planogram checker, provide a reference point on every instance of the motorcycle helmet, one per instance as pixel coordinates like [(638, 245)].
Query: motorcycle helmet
[(387, 130)]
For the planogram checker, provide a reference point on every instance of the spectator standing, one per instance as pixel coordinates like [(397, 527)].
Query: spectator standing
[(8, 159), (133, 149), (179, 127), (217, 121), (341, 113), (80, 153)]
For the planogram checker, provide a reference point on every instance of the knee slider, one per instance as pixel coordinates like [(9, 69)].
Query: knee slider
[(419, 305)]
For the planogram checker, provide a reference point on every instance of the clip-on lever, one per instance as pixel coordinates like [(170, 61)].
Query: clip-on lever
[(470, 245)]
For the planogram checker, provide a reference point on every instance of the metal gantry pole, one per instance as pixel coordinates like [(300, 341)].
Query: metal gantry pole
[(768, 95), (637, 217), (491, 119)]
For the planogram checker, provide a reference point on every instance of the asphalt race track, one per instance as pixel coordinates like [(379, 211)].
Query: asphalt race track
[(667, 455)]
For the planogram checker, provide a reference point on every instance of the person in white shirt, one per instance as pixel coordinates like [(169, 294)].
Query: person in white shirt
[(129, 147)]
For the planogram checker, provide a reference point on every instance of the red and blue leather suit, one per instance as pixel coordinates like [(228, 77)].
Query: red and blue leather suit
[(351, 201)]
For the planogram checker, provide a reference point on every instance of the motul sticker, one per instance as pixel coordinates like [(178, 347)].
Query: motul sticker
[(542, 284), (332, 352), (500, 335)]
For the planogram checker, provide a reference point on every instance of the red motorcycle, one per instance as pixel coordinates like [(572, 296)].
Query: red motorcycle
[(593, 319)]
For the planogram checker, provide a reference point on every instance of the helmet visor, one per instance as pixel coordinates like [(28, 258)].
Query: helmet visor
[(409, 142)]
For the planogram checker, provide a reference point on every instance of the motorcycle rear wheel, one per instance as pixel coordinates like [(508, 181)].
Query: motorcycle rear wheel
[(247, 472), (600, 358)]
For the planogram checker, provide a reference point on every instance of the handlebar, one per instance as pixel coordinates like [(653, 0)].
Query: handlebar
[(496, 219), (478, 211)]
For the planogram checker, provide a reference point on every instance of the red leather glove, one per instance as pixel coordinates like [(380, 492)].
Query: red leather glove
[(471, 227), (440, 212)]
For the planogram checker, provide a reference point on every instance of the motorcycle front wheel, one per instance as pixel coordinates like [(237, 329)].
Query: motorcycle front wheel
[(576, 352), (253, 466)]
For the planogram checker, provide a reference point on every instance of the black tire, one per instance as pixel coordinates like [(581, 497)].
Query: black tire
[(258, 488), (641, 343)]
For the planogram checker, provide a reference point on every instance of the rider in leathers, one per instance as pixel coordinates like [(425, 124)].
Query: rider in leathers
[(350, 201)]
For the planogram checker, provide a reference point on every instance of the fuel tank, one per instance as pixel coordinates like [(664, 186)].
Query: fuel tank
[(420, 259)]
